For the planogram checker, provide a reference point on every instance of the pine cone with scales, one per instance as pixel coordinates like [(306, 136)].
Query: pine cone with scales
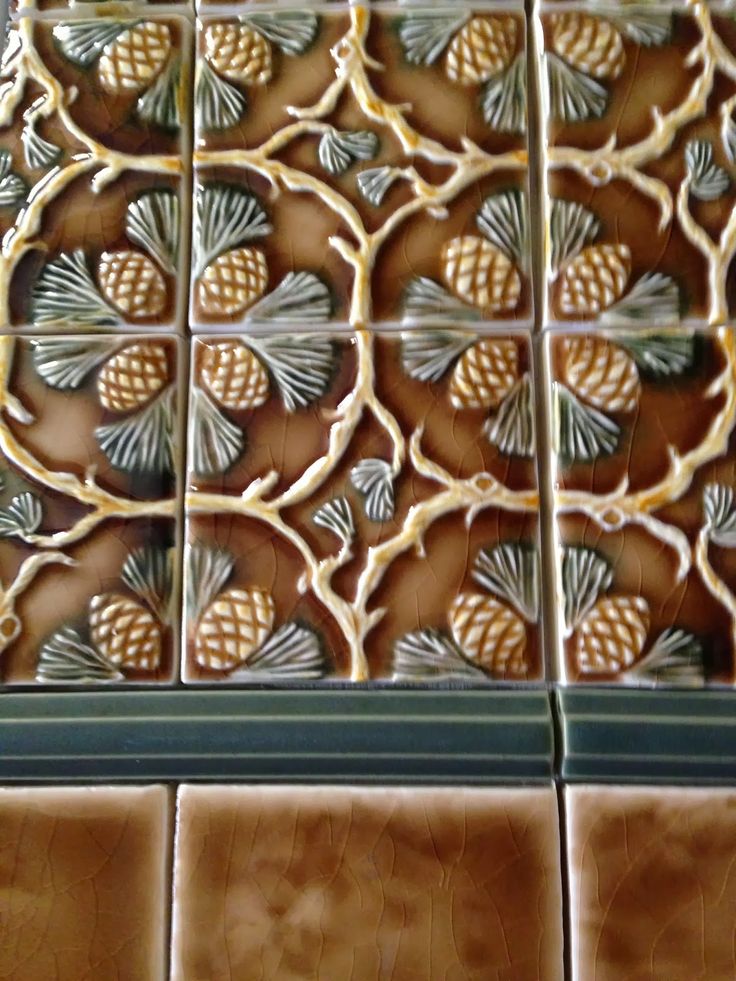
[(130, 63), (233, 375), (132, 283), (232, 627), (594, 279), (490, 634), (479, 273), (483, 48), (591, 44), (233, 281), (602, 373), (238, 53), (485, 374), (125, 632), (133, 376), (611, 636)]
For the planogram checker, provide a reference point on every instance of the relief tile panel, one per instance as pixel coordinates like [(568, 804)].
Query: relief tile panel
[(89, 452), (640, 164), (450, 883), (652, 886), (643, 469), (362, 506), (84, 876), (359, 166), (94, 149)]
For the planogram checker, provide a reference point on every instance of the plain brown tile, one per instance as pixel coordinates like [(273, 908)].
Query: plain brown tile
[(323, 883)]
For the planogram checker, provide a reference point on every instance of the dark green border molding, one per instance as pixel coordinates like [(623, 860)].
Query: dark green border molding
[(460, 736)]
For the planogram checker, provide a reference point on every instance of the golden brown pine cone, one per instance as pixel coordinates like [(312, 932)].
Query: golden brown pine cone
[(594, 279), (485, 374), (238, 52), (130, 63), (133, 376), (611, 636), (132, 283), (125, 631), (482, 49), (234, 281), (480, 274), (490, 634), (233, 375), (602, 373), (590, 44), (233, 627)]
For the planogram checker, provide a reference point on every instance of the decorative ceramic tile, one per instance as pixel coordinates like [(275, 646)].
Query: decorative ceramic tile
[(421, 883), (83, 883), (645, 452), (364, 506), (361, 166), (652, 890), (89, 449), (93, 146), (640, 163)]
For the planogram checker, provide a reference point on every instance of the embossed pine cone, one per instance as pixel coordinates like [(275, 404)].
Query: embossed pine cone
[(602, 373), (131, 62), (594, 279), (489, 633), (234, 281), (133, 376), (480, 274), (482, 49), (233, 627), (611, 636), (125, 631), (234, 376), (132, 283), (485, 374), (590, 44), (239, 53)]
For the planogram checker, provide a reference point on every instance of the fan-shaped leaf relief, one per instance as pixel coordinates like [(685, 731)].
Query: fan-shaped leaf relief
[(142, 442), (215, 443), (707, 181), (152, 221), (503, 220), (160, 104), (22, 517), (208, 570), (720, 514), (65, 364), (648, 28), (299, 296), (571, 228), (585, 575), (425, 36), (336, 516), (430, 655), (425, 299), (65, 294), (302, 366), (40, 154), (13, 189), (660, 355), (512, 429), (83, 41), (374, 479), (66, 658), (374, 183), (429, 355), (294, 652), (503, 99), (582, 432), (217, 104), (653, 300), (728, 136), (572, 96), (510, 570), (337, 150), (290, 30), (148, 572), (225, 216), (675, 658)]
